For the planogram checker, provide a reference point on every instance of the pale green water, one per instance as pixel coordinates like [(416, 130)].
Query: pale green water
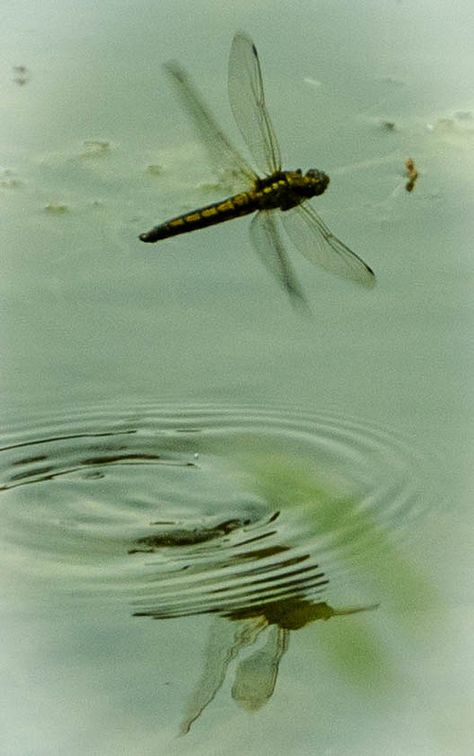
[(176, 384)]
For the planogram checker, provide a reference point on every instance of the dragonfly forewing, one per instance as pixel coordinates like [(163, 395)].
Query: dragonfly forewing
[(247, 100), (226, 161)]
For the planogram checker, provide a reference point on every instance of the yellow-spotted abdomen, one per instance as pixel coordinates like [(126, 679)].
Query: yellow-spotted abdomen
[(218, 212)]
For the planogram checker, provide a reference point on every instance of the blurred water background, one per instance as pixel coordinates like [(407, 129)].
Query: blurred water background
[(194, 478)]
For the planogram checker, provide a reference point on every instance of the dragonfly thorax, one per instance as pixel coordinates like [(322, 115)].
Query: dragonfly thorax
[(287, 189), (296, 187)]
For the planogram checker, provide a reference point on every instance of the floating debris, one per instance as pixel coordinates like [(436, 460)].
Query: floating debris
[(21, 75), (8, 180), (392, 80), (412, 174), (95, 148), (154, 169), (56, 208)]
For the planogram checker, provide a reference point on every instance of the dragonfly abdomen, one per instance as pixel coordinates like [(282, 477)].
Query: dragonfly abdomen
[(218, 212)]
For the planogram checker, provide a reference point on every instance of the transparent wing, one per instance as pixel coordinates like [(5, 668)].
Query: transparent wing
[(316, 242), (256, 675), (247, 100), (225, 159), (267, 241), (225, 642)]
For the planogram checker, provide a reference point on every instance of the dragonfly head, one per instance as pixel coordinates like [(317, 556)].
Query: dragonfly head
[(317, 181)]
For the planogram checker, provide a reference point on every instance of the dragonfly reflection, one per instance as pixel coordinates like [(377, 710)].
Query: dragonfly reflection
[(256, 673), (286, 191)]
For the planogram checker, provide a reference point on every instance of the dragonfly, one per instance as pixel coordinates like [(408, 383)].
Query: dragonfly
[(278, 198)]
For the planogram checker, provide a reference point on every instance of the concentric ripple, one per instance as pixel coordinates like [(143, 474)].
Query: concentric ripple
[(192, 509)]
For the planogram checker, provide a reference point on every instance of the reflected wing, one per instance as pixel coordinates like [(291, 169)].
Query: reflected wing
[(225, 641), (316, 242), (247, 100), (256, 675), (267, 241), (225, 159)]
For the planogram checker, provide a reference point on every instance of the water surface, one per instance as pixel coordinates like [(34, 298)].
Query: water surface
[(219, 517)]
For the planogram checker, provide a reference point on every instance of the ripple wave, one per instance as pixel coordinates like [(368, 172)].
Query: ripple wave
[(185, 509)]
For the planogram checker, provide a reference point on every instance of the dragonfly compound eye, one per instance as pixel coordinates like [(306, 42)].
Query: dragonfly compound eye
[(318, 176)]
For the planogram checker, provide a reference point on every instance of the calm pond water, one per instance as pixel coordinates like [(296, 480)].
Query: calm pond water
[(228, 527)]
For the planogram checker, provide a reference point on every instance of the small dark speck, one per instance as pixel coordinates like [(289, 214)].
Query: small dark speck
[(21, 75)]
